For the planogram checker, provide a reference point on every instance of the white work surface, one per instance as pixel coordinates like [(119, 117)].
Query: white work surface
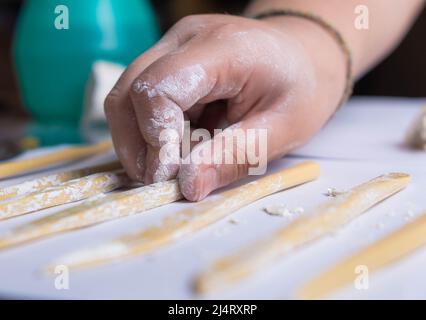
[(364, 140)]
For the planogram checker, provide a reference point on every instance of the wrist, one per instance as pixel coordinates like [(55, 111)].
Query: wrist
[(327, 57)]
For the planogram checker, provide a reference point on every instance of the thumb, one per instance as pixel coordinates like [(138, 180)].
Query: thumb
[(239, 150)]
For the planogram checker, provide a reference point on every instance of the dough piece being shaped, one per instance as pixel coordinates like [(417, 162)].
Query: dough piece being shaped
[(69, 191), (53, 179), (95, 210), (189, 221)]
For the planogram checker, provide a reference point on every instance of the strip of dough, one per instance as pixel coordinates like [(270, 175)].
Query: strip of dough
[(54, 179), (376, 256), (94, 211), (70, 191), (12, 168), (189, 221), (323, 220)]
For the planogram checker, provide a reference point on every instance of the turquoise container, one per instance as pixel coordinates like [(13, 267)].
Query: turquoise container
[(53, 55)]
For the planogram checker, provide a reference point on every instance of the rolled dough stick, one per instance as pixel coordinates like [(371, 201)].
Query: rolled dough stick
[(376, 256), (54, 179), (189, 221), (70, 191), (12, 168), (94, 211), (323, 220)]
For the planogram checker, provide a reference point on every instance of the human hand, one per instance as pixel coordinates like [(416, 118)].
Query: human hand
[(283, 75)]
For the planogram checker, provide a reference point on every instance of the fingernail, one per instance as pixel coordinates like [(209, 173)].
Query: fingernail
[(186, 178), (196, 183)]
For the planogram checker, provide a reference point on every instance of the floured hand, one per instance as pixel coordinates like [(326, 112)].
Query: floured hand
[(281, 75)]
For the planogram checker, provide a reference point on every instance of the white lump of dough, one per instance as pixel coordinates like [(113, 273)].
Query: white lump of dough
[(333, 193), (281, 210), (416, 137)]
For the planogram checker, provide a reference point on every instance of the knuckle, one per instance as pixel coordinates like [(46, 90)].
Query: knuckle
[(227, 30), (111, 101), (189, 20), (186, 24), (141, 85)]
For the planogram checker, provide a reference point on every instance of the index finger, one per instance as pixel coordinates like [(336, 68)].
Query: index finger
[(128, 141)]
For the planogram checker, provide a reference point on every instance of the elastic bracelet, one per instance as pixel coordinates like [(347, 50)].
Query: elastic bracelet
[(331, 30)]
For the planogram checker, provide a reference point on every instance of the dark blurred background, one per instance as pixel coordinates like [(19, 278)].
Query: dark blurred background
[(402, 74)]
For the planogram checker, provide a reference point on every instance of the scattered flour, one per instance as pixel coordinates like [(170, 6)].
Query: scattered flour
[(234, 221), (281, 210), (333, 192)]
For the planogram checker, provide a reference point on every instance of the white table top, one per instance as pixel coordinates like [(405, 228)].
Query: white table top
[(363, 141)]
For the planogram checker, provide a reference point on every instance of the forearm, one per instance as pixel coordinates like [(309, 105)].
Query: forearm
[(389, 21)]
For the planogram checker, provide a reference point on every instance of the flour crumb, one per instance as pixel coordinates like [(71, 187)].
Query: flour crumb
[(281, 210), (234, 221), (333, 192)]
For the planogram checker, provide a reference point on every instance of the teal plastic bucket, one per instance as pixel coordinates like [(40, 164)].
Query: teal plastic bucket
[(56, 43)]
